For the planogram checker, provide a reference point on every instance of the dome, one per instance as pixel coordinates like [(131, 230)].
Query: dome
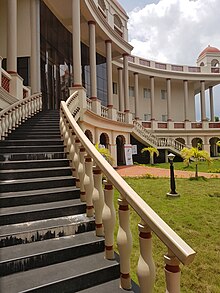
[(209, 49)]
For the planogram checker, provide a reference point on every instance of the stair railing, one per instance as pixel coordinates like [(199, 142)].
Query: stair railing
[(15, 114), (101, 205)]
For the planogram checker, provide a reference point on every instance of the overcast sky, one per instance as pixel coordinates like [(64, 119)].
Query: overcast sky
[(174, 31)]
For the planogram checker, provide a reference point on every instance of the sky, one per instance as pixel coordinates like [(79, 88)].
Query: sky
[(174, 31)]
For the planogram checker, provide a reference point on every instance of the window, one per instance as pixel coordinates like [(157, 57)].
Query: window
[(147, 117), (115, 88), (147, 93), (163, 94), (164, 118), (131, 91)]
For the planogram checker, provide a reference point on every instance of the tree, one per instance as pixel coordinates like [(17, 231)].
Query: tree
[(105, 153), (218, 143), (196, 154), (151, 151)]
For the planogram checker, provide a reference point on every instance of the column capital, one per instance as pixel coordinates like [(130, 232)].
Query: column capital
[(91, 22), (136, 73), (168, 79), (125, 55), (108, 41), (120, 68)]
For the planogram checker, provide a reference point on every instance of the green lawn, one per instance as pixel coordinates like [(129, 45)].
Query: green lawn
[(195, 216)]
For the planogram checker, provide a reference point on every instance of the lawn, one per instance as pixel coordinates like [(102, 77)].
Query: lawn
[(195, 216)]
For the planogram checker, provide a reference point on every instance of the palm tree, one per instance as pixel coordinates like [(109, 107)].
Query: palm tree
[(197, 155), (151, 151)]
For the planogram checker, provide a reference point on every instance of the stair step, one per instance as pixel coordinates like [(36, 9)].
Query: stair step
[(33, 231), (36, 183), (17, 136), (20, 214), (32, 156), (31, 149), (38, 254), (9, 165), (34, 173), (111, 286), (76, 274), (11, 199), (31, 142)]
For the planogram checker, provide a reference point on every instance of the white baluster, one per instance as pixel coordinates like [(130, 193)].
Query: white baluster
[(89, 186), (98, 200), (124, 242), (6, 124), (146, 266), (72, 152), (76, 160), (9, 121), (108, 219), (172, 273), (81, 173)]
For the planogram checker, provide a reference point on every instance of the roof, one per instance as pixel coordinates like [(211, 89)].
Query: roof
[(119, 6), (209, 49)]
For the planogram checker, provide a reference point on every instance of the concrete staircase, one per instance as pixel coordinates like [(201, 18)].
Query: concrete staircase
[(47, 242)]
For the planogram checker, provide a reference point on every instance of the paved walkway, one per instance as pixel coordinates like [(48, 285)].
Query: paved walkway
[(135, 170)]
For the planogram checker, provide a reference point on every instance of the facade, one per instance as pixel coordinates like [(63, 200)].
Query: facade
[(56, 47)]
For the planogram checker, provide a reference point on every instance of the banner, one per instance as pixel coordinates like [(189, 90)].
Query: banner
[(128, 154)]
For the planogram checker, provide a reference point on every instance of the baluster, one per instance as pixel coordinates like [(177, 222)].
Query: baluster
[(172, 273), (146, 266), (98, 200), (23, 111), (124, 242), (108, 219), (40, 103), (29, 108), (81, 173), (13, 117), (68, 143), (3, 126), (61, 124), (72, 152), (37, 101), (6, 124), (89, 186), (19, 115), (76, 160), (66, 135), (26, 110), (9, 121)]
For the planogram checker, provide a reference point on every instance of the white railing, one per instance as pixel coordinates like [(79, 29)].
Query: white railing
[(89, 104), (89, 167), (104, 111), (14, 115), (120, 116)]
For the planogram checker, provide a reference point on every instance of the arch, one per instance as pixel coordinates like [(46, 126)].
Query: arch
[(181, 140), (88, 133), (120, 141), (214, 149), (202, 64), (117, 21), (101, 4), (104, 140), (197, 142), (215, 63)]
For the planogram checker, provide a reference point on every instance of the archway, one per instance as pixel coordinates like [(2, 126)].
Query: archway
[(120, 141), (214, 149), (88, 133), (181, 140), (104, 140), (197, 142)]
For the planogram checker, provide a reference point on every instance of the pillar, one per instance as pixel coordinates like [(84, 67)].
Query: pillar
[(35, 47), (92, 60), (186, 99), (76, 43), (136, 95), (12, 36), (169, 99), (126, 82), (109, 73), (120, 90), (152, 98), (202, 97), (212, 116)]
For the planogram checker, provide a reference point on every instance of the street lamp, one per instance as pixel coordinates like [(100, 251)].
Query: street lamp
[(172, 178)]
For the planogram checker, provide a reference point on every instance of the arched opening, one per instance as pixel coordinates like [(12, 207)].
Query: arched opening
[(181, 140), (202, 64), (214, 149), (215, 63), (88, 133), (104, 140), (101, 4), (120, 141), (197, 143)]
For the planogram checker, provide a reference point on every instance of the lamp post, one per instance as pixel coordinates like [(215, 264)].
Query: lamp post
[(172, 192)]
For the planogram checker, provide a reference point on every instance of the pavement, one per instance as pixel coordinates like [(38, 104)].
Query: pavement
[(136, 171)]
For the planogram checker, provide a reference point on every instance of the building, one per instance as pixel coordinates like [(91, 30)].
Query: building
[(45, 43)]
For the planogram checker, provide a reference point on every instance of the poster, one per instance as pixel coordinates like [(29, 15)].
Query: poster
[(128, 154)]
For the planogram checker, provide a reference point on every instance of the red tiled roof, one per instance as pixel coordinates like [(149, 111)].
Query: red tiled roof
[(209, 49)]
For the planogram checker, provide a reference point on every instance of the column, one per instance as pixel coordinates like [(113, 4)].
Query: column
[(136, 95), (35, 47), (186, 99), (92, 60), (212, 116), (109, 72), (152, 98), (12, 36), (169, 99), (202, 98), (120, 90), (76, 43), (126, 83)]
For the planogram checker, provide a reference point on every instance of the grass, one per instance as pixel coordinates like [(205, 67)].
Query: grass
[(213, 167), (195, 217)]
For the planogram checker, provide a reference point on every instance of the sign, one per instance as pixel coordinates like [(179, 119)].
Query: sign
[(134, 149), (128, 154)]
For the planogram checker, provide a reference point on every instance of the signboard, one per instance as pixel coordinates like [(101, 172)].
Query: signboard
[(128, 154), (134, 149)]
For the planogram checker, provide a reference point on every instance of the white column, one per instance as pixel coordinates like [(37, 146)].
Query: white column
[(152, 98), (186, 99), (136, 95), (120, 89), (12, 36), (109, 72), (92, 60), (35, 47), (202, 97), (126, 82), (169, 100), (212, 115), (76, 43)]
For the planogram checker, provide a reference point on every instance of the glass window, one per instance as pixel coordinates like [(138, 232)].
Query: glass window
[(115, 89), (147, 93), (164, 118), (163, 94), (147, 117), (131, 91)]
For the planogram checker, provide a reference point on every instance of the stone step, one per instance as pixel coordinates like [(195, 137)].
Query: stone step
[(42, 211), (76, 274), (32, 156), (110, 287), (31, 142), (24, 257)]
